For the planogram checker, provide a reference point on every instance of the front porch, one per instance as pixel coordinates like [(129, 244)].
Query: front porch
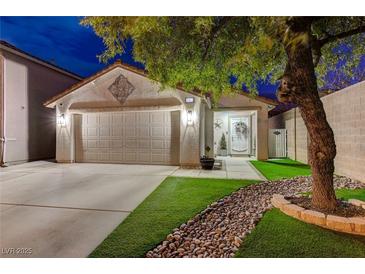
[(235, 133), (231, 168)]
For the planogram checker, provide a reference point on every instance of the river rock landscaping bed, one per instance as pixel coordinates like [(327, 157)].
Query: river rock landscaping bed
[(218, 230)]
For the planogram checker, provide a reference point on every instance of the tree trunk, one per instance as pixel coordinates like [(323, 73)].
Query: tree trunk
[(301, 81)]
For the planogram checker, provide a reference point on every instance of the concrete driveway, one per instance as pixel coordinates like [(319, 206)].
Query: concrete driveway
[(66, 210)]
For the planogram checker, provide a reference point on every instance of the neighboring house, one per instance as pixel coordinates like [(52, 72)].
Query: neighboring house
[(119, 115), (27, 128)]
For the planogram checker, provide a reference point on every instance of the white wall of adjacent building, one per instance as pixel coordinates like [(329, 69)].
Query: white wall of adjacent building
[(28, 127)]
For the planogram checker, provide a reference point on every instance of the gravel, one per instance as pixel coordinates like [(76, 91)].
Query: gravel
[(219, 229)]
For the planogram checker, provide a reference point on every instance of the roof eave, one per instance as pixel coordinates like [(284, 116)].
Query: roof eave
[(53, 101), (14, 50)]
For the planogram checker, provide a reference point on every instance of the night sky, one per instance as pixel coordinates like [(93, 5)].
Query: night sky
[(60, 40), (64, 42)]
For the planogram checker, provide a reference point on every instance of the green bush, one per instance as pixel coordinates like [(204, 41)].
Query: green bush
[(223, 143)]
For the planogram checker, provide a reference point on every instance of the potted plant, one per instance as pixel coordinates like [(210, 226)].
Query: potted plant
[(206, 161), (223, 145)]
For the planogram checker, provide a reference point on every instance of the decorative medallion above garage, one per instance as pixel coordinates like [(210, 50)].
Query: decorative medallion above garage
[(121, 88)]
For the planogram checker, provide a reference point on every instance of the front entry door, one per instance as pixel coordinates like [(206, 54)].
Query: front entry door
[(240, 132)]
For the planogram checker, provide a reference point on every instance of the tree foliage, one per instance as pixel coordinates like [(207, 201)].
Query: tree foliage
[(203, 52)]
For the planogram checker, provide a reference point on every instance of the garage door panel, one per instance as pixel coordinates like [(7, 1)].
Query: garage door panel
[(128, 137), (116, 157), (143, 118), (104, 120), (131, 144), (144, 144), (116, 144), (91, 120), (158, 144), (143, 132), (91, 156), (104, 132), (91, 144), (130, 118), (130, 157), (130, 132), (117, 119), (117, 131), (91, 132), (159, 117), (144, 156), (104, 157), (167, 131), (157, 132), (104, 144), (158, 158)]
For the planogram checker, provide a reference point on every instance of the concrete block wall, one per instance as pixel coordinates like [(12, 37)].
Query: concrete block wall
[(345, 110)]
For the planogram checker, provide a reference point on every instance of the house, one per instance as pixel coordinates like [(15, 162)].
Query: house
[(119, 115), (27, 128)]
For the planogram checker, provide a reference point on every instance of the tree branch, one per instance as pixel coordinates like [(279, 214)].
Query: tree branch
[(318, 44), (316, 51), (222, 22), (341, 35)]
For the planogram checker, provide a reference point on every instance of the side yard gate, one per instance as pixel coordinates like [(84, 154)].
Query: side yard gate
[(277, 143)]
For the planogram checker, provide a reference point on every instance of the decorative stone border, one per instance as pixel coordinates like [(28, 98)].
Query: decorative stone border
[(353, 225)]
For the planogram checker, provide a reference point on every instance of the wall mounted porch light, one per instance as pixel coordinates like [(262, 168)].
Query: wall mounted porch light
[(61, 120), (189, 117)]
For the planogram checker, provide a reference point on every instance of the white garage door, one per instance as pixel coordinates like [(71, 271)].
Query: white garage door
[(128, 137)]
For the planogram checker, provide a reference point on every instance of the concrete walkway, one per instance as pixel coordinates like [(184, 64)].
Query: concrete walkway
[(66, 210), (232, 168)]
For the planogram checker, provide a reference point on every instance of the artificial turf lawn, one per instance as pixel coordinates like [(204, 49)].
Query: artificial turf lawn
[(281, 168), (174, 202), (346, 194), (278, 235)]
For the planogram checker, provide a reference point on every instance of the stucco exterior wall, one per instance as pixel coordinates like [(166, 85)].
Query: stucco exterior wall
[(1, 109), (262, 135), (209, 130), (345, 112), (29, 127), (276, 122), (146, 96)]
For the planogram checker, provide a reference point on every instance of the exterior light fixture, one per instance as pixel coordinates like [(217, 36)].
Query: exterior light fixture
[(189, 115), (61, 120)]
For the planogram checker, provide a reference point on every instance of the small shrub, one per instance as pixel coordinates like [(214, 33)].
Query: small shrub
[(223, 143)]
